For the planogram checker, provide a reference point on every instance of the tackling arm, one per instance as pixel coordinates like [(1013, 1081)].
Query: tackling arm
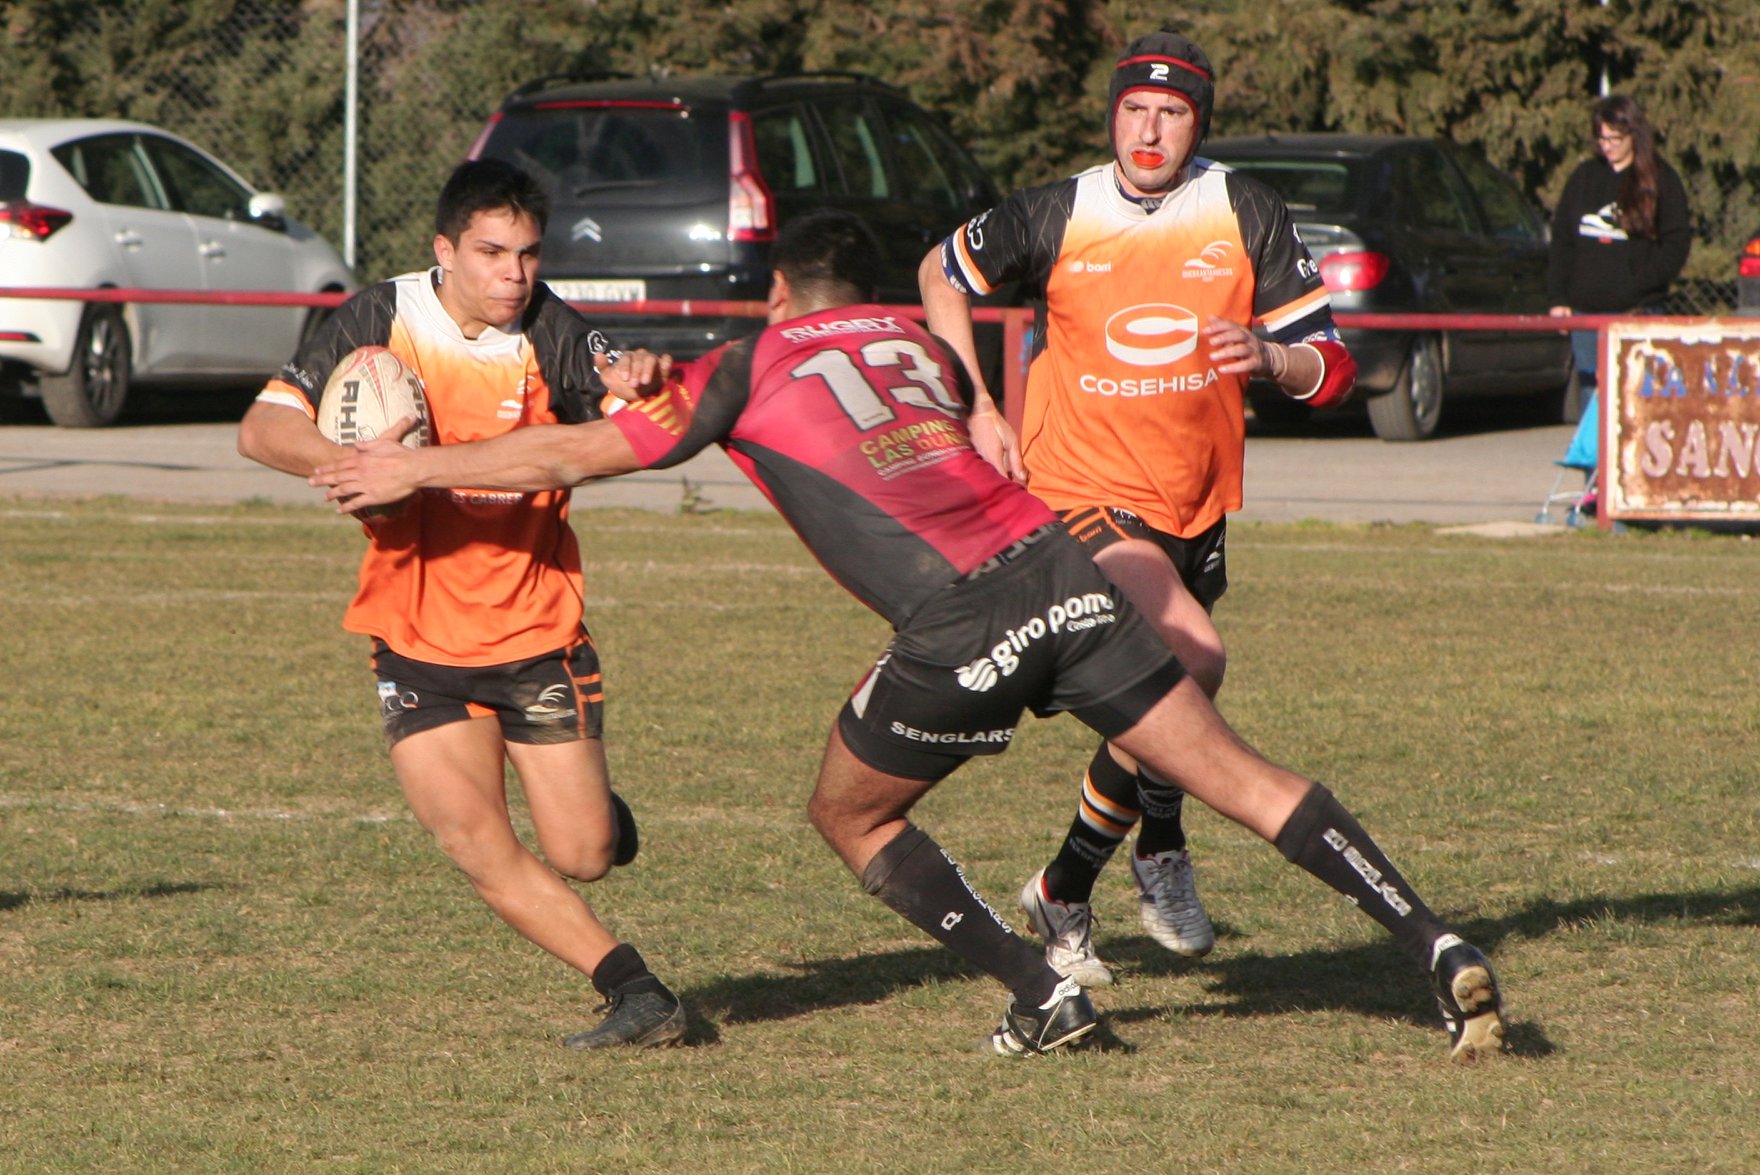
[(542, 457)]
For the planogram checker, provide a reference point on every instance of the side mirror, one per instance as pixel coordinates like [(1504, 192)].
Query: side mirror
[(269, 211)]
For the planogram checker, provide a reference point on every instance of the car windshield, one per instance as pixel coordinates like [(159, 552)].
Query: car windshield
[(15, 174), (1306, 185), (595, 150)]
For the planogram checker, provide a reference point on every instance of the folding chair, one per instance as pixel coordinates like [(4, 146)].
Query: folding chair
[(1581, 459)]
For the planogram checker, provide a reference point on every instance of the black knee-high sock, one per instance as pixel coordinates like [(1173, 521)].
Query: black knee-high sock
[(1327, 841), (917, 879), (623, 965), (1103, 819), (1163, 830)]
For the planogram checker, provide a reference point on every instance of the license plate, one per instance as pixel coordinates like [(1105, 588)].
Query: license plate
[(592, 290)]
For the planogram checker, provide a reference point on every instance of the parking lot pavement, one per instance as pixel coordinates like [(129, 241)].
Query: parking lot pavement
[(1495, 476)]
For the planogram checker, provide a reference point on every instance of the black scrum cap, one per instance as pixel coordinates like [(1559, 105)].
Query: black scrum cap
[(1165, 61)]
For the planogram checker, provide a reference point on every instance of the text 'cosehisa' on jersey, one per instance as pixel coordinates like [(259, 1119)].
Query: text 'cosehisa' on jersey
[(1123, 406)]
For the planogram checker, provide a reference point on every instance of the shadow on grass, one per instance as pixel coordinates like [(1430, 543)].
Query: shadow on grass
[(12, 900), (826, 983), (1372, 979)]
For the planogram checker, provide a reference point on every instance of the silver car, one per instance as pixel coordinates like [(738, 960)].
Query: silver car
[(95, 203)]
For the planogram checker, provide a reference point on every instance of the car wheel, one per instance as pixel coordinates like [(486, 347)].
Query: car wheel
[(1411, 411), (95, 388), (1275, 411)]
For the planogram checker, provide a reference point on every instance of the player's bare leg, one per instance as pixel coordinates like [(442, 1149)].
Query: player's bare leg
[(1149, 580), (861, 813), (454, 779), (1183, 739), (568, 791)]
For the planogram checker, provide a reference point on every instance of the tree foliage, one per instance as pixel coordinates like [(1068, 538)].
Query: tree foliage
[(1022, 81)]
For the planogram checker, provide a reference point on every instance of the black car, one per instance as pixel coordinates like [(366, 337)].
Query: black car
[(1411, 225), (672, 189)]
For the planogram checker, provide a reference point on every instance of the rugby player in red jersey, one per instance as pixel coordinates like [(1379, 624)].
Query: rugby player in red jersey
[(851, 419)]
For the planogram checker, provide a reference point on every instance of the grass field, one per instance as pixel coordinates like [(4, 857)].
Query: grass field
[(224, 946)]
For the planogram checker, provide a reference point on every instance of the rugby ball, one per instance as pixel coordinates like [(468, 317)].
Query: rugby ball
[(371, 390)]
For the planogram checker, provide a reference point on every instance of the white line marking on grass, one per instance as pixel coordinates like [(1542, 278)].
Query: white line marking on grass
[(124, 808), (691, 568), (314, 518)]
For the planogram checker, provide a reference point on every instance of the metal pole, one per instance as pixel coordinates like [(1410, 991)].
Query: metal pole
[(1604, 65), (350, 132)]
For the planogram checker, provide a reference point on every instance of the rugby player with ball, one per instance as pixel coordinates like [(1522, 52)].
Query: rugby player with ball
[(472, 596), (996, 609)]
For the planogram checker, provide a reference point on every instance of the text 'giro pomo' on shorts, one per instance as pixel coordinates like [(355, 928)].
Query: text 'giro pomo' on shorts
[(1200, 561), (1038, 628), (557, 697)]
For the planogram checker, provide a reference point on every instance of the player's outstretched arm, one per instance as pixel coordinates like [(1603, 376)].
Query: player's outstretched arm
[(542, 457)]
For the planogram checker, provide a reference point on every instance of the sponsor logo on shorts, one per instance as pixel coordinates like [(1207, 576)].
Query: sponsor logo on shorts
[(1076, 614), (553, 704), (393, 700), (952, 737)]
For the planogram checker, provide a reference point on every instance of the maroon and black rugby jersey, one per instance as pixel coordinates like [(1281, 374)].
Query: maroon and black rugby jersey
[(852, 422)]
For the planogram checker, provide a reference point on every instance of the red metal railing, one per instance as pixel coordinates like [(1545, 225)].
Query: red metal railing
[(1016, 322)]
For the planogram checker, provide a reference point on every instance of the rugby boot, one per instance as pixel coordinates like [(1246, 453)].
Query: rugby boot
[(1467, 994)]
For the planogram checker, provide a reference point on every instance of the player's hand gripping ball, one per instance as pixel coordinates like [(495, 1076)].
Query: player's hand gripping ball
[(371, 390)]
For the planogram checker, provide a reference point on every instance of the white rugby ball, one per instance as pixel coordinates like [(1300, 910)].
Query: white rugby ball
[(371, 390)]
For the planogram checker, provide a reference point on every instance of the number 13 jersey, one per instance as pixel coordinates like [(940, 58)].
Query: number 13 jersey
[(851, 421)]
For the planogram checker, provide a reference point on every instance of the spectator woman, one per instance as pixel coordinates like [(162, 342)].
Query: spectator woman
[(1621, 234)]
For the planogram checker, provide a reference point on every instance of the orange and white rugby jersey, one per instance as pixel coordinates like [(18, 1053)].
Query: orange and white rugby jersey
[(466, 577), (1123, 407)]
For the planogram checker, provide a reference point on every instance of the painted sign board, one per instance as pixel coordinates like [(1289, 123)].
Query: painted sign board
[(1680, 433)]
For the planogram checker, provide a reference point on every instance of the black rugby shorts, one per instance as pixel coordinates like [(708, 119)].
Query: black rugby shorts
[(558, 697), (1200, 560), (1044, 632)]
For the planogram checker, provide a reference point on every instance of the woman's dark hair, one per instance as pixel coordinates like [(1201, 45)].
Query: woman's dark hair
[(1637, 188)]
